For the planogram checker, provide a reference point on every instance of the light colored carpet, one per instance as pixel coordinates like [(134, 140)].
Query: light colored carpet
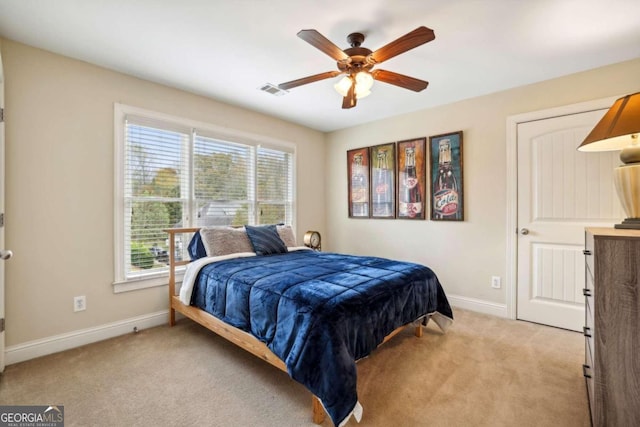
[(485, 371)]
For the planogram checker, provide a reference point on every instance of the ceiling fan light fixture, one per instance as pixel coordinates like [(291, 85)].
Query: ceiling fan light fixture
[(362, 93), (342, 87), (364, 80)]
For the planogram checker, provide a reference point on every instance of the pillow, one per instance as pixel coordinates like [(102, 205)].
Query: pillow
[(286, 234), (225, 240), (196, 247), (265, 240)]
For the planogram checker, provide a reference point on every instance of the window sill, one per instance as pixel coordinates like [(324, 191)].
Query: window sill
[(146, 282)]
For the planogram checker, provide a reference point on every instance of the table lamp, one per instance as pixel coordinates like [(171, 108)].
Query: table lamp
[(619, 130)]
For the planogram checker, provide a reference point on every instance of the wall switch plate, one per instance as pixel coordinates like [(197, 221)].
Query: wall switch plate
[(495, 282), (79, 303)]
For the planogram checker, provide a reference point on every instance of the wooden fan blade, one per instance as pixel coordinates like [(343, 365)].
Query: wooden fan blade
[(415, 38), (319, 41), (401, 80), (309, 79), (349, 101)]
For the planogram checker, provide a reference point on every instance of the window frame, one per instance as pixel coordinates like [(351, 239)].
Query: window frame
[(121, 282)]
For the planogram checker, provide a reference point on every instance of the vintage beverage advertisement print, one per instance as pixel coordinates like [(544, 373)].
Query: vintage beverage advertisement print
[(383, 186), (358, 175), (411, 179), (447, 195)]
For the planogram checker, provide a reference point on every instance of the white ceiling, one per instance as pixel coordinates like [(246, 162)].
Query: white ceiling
[(227, 49)]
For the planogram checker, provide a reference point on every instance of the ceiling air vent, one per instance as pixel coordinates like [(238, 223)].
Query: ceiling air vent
[(272, 89)]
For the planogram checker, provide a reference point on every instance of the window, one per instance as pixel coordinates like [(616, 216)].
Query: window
[(174, 173)]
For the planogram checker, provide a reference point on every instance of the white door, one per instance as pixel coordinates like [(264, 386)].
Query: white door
[(560, 192)]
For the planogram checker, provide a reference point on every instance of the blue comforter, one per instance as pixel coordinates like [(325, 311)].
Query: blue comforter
[(320, 312)]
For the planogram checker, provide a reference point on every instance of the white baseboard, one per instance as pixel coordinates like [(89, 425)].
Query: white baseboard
[(32, 349), (54, 344), (481, 306)]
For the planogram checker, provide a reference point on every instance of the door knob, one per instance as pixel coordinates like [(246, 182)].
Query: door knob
[(524, 231), (5, 255)]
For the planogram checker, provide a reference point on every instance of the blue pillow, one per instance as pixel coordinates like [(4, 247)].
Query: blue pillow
[(265, 240), (196, 247)]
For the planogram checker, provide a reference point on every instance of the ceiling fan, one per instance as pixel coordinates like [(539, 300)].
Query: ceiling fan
[(357, 63)]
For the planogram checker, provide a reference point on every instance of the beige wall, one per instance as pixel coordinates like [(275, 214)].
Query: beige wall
[(60, 178), (463, 254)]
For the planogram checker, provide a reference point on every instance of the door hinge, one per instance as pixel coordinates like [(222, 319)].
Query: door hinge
[(2, 325), (1, 115), (2, 219)]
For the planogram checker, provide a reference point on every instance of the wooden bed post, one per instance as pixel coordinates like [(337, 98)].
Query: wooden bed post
[(318, 410), (172, 276), (172, 267)]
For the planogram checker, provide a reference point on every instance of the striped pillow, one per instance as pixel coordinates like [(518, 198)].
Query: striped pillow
[(265, 240)]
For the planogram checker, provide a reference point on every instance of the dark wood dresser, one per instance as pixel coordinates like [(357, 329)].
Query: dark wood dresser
[(612, 326)]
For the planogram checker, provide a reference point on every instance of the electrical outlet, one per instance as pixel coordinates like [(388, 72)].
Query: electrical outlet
[(79, 303), (495, 282)]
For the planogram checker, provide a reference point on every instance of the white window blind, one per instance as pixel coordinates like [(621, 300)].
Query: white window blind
[(173, 174), (156, 194), (274, 189), (223, 182)]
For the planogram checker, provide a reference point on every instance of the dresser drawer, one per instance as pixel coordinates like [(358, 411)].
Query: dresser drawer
[(590, 394), (589, 254), (588, 332), (588, 278), (587, 368), (589, 294), (588, 329)]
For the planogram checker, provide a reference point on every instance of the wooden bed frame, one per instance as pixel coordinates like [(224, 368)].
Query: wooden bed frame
[(237, 336)]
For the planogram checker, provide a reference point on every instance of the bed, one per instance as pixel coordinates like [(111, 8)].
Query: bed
[(311, 314)]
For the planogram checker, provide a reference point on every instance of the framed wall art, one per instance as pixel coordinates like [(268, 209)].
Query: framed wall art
[(383, 165), (358, 178), (445, 183), (411, 180)]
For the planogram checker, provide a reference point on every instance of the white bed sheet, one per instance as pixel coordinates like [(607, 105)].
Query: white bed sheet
[(194, 267)]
